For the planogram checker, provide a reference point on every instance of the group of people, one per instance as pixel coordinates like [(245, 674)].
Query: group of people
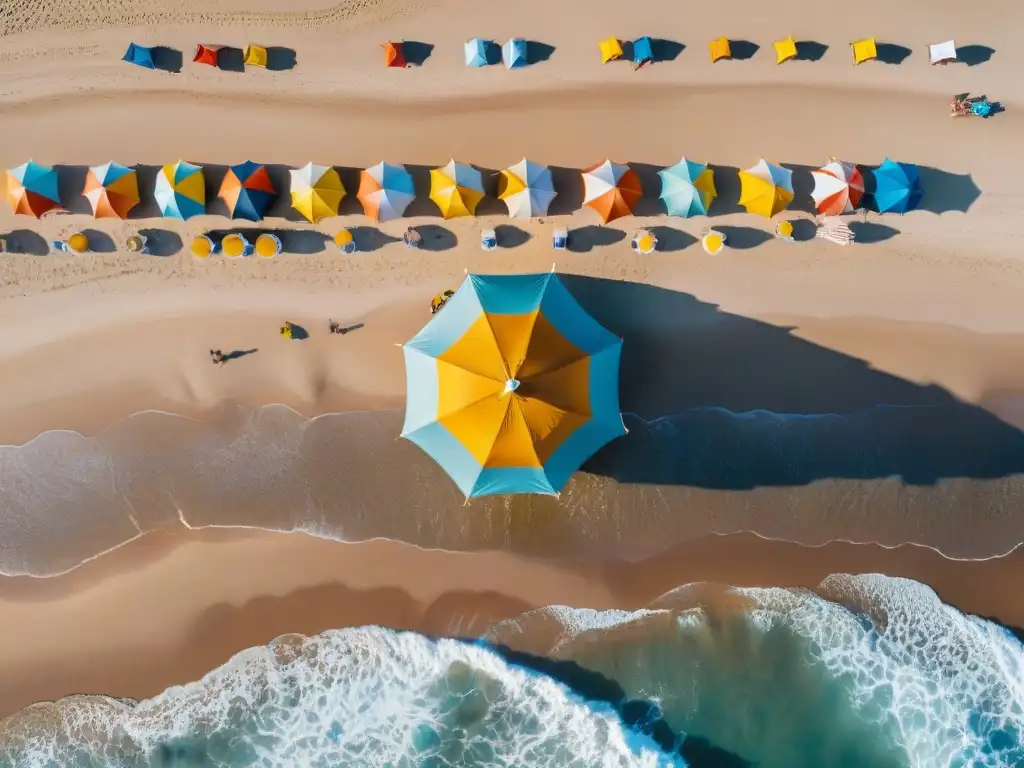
[(219, 357)]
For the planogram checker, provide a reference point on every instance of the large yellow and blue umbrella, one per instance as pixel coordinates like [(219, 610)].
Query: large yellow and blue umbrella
[(180, 190), (457, 188), (32, 189), (112, 190), (687, 188), (766, 189), (512, 385), (317, 191)]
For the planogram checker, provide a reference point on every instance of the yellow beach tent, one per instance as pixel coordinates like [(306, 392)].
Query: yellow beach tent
[(864, 50), (456, 188), (611, 49), (317, 191), (256, 56), (785, 50), (766, 189), (720, 49)]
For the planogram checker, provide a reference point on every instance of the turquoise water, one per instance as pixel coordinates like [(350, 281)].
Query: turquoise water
[(869, 671)]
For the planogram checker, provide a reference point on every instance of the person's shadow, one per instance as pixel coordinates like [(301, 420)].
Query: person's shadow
[(237, 353)]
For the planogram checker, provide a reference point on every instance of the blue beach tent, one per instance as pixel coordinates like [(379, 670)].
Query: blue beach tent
[(897, 187), (643, 51), (139, 54), (476, 53), (515, 53)]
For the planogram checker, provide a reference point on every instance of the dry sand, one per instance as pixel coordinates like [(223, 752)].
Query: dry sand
[(932, 298)]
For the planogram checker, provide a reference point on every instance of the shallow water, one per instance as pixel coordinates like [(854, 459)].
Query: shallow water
[(888, 474), (871, 671)]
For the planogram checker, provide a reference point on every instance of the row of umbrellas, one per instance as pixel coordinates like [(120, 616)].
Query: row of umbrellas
[(385, 191)]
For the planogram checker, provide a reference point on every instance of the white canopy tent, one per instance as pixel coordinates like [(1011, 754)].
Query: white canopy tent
[(940, 53)]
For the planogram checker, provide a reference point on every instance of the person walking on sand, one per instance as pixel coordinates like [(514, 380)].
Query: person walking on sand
[(216, 356)]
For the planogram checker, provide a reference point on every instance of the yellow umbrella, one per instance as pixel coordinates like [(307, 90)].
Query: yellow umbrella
[(766, 189), (317, 191), (456, 188), (78, 243), (202, 247)]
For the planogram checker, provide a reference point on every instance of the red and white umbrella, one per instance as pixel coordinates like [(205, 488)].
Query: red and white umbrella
[(838, 187)]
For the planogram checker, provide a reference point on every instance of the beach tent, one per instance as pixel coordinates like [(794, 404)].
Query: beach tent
[(611, 189), (838, 188), (864, 50), (512, 386), (643, 52), (785, 49), (247, 191), (611, 49), (112, 190), (457, 188), (720, 49), (687, 188), (385, 191), (514, 52), (139, 54), (180, 190), (476, 52), (317, 191), (897, 187), (942, 53), (394, 54), (766, 188), (528, 189), (206, 54), (32, 189), (256, 55)]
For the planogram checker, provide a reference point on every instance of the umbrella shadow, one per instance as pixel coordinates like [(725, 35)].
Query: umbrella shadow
[(99, 242), (230, 59), (538, 52), (302, 241), (281, 179), (510, 236), (299, 333), (70, 184), (743, 50), (368, 239), (213, 177), (890, 53), (868, 232), (665, 50), (435, 238), (649, 203), (349, 176), (421, 204), (416, 53), (168, 59), (973, 55), (280, 58), (162, 242), (671, 239), (810, 50), (569, 184), (945, 191), (744, 238), (803, 229), (492, 53), (25, 242), (803, 186), (765, 408), (587, 238), (727, 184), (147, 207)]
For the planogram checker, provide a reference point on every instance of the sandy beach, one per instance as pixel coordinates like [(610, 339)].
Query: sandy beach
[(795, 409)]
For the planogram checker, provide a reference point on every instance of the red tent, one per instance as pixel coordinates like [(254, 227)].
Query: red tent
[(394, 56), (206, 54)]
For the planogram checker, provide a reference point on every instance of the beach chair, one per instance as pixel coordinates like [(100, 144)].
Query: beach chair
[(235, 246), (942, 53), (488, 240), (345, 242), (720, 49), (785, 50), (412, 238), (137, 244), (203, 247), (713, 242), (864, 50), (832, 230), (644, 242), (256, 56), (268, 245), (560, 239), (784, 231)]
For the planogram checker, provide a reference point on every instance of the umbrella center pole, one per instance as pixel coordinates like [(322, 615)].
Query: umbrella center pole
[(510, 386)]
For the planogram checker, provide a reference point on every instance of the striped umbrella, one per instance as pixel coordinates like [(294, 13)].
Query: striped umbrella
[(528, 189), (180, 190), (317, 191), (247, 191), (838, 188), (32, 189), (687, 188), (112, 190), (457, 189), (385, 191)]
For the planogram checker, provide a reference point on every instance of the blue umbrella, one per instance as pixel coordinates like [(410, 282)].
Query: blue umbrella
[(476, 52), (514, 52), (139, 54), (897, 187)]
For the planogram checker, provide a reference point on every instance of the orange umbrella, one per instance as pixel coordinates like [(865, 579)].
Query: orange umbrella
[(611, 189), (112, 190)]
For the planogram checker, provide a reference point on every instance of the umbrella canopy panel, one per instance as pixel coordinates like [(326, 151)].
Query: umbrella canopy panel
[(513, 386), (611, 189)]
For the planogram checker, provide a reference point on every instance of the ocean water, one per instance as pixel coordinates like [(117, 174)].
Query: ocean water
[(944, 475), (866, 671)]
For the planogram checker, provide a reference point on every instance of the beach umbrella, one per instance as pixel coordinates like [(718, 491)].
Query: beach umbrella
[(112, 190), (528, 189), (385, 191), (611, 189), (457, 188), (611, 49), (247, 191), (32, 189), (897, 187), (864, 50), (180, 190), (317, 191), (476, 52), (206, 54), (643, 52), (720, 49), (785, 50), (687, 188), (256, 56), (766, 189), (515, 53), (838, 187), (512, 386), (140, 55), (394, 54)]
